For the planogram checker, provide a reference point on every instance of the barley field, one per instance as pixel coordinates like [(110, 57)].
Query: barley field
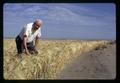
[(51, 59)]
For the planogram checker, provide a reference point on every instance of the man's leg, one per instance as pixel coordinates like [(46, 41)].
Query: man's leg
[(31, 48), (19, 45)]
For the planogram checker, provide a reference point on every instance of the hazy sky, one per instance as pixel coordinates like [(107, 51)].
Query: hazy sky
[(63, 20)]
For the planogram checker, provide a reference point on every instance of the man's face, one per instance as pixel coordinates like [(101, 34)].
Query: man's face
[(36, 25)]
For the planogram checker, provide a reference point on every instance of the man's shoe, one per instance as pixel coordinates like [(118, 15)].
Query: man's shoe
[(36, 52)]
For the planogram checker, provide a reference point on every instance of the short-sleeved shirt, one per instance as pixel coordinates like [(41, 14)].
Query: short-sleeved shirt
[(27, 30)]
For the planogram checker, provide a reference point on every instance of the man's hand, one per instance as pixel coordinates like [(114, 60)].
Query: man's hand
[(27, 52)]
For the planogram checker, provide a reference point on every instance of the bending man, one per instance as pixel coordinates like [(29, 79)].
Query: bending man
[(28, 38)]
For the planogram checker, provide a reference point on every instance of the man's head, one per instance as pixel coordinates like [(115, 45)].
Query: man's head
[(37, 24)]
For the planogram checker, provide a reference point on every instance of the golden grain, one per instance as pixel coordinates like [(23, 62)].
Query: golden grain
[(52, 57)]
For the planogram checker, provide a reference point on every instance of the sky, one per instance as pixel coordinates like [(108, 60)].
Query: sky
[(62, 20)]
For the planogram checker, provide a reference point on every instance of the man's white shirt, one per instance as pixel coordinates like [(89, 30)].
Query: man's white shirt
[(27, 30)]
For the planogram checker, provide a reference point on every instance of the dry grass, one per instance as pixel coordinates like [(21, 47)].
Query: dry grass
[(53, 55)]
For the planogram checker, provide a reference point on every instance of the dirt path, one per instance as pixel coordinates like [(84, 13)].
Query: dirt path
[(97, 64)]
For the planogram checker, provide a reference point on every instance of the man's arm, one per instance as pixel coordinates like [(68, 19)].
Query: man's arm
[(25, 44), (36, 41)]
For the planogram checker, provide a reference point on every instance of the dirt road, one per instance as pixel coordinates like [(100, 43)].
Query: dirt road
[(97, 64)]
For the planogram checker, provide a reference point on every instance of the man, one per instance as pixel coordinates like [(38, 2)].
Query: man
[(28, 38)]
